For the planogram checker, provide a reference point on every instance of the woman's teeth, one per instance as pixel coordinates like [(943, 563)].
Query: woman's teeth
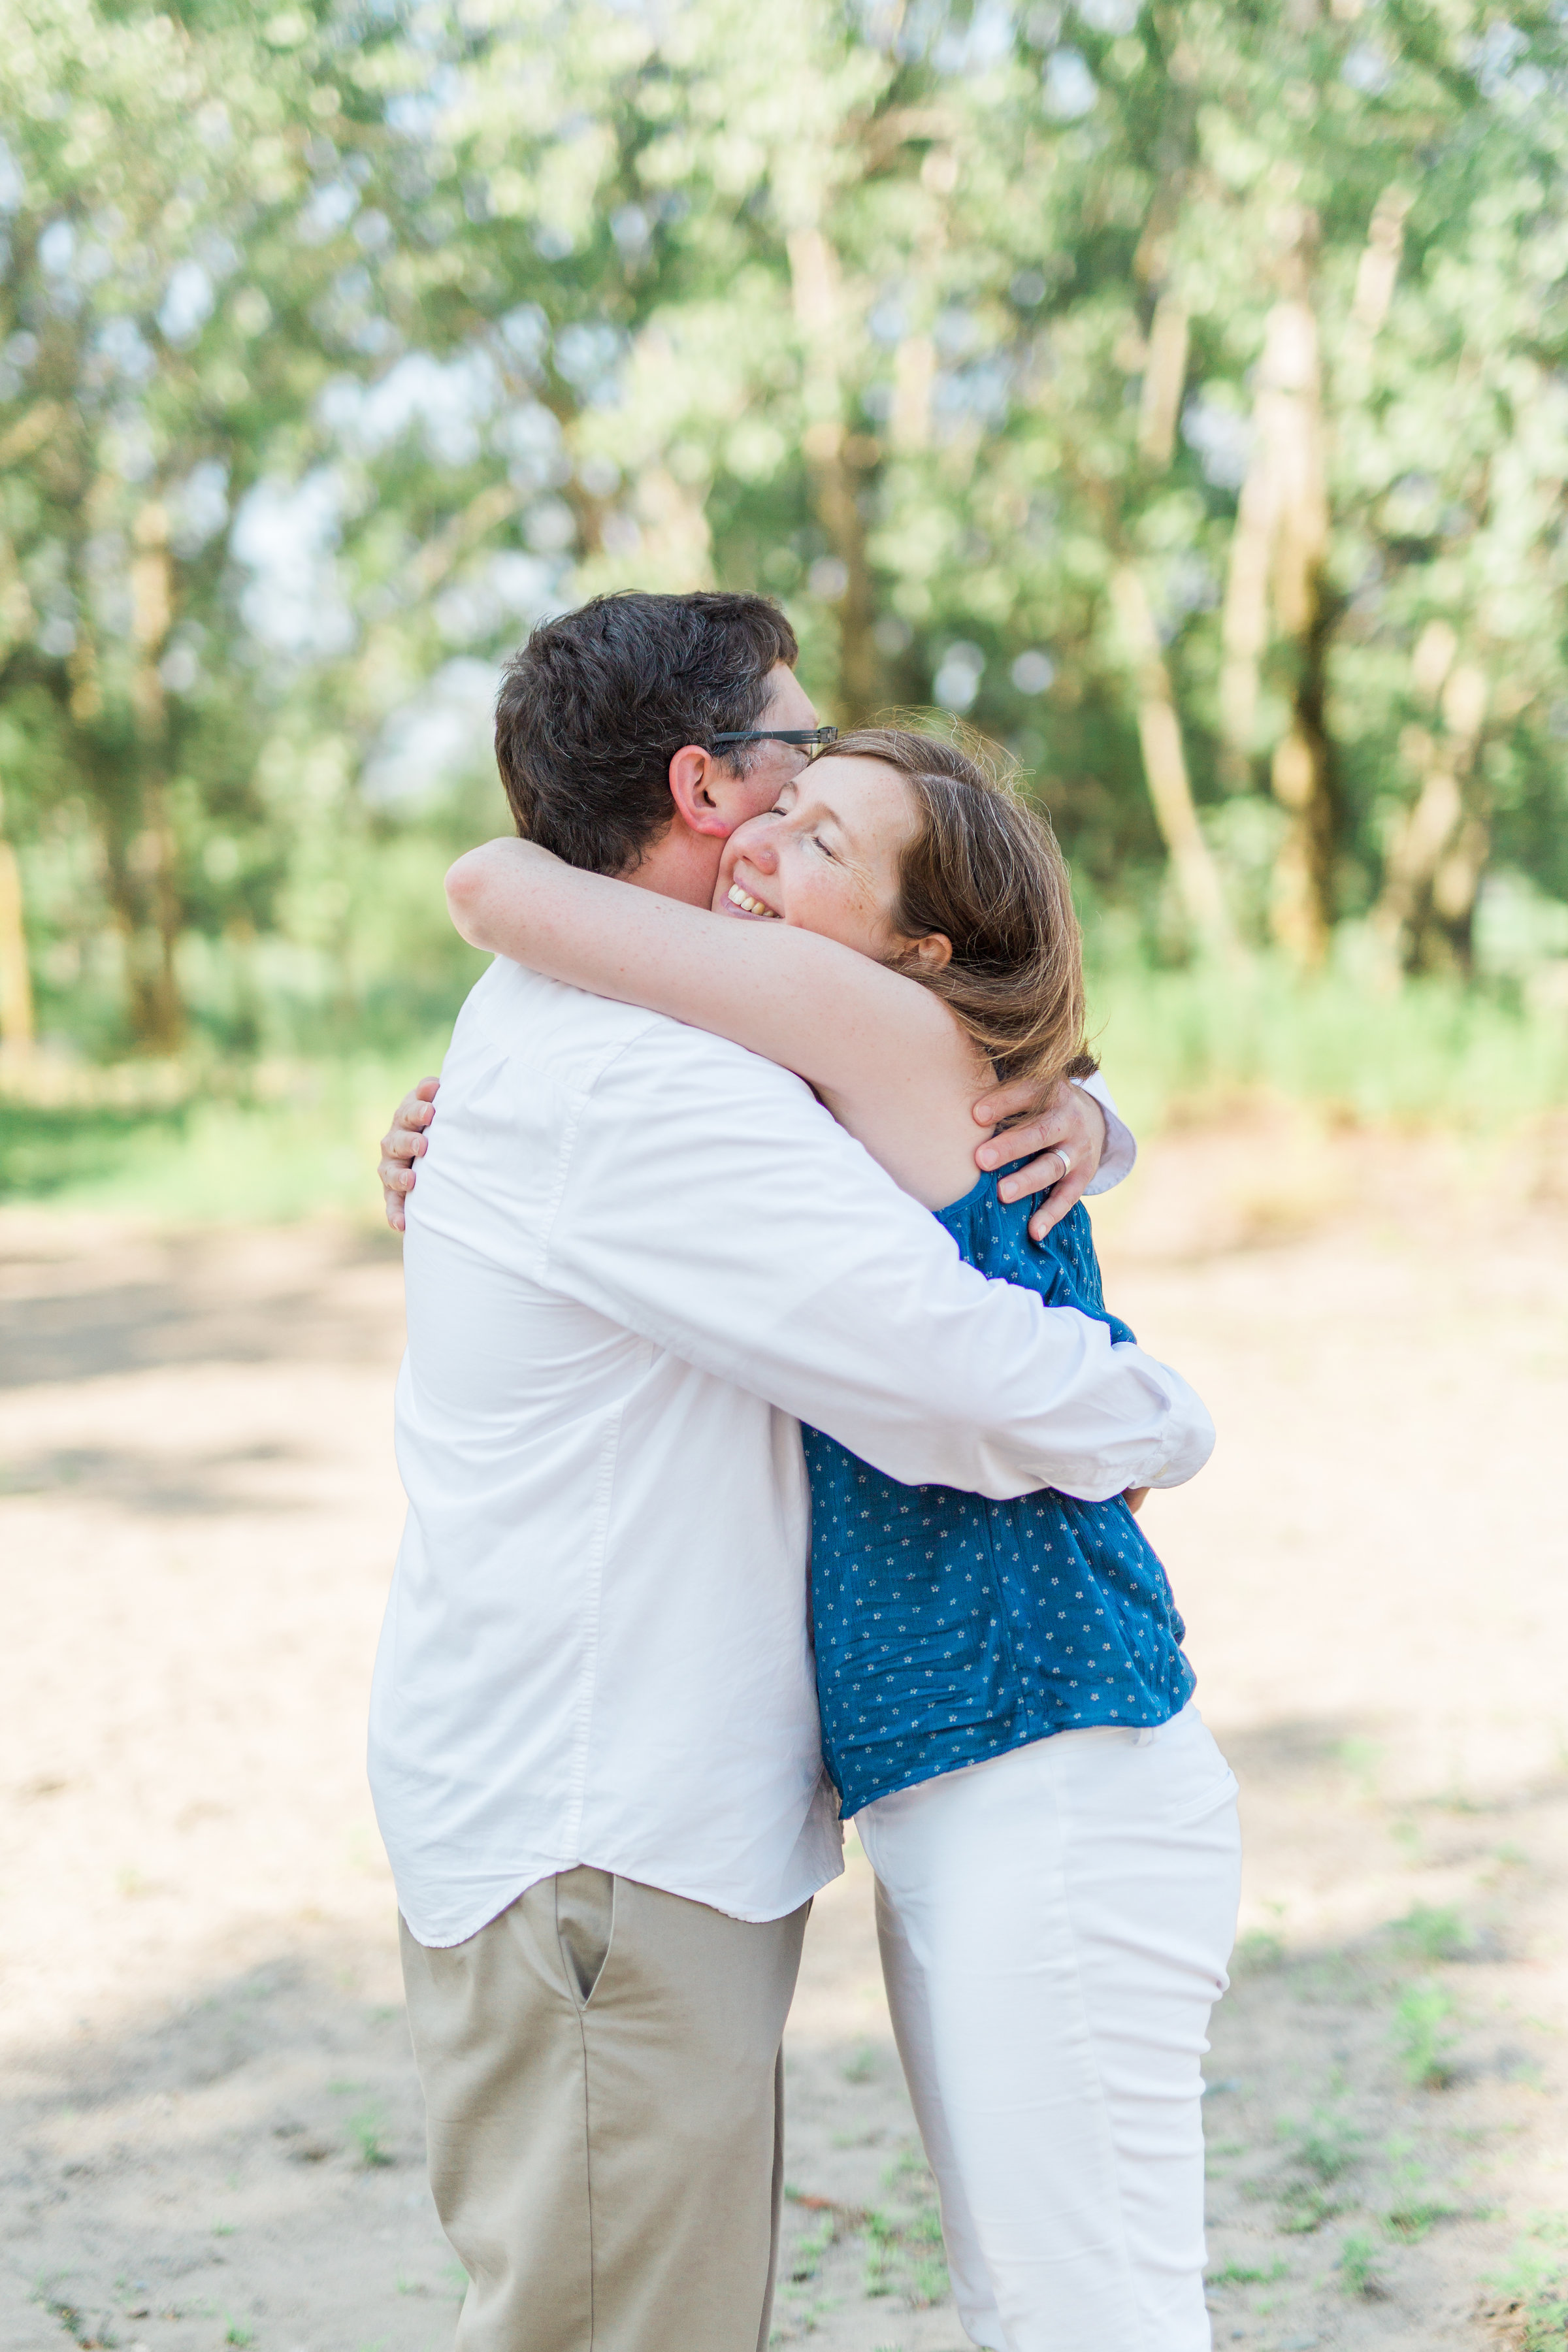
[(748, 905)]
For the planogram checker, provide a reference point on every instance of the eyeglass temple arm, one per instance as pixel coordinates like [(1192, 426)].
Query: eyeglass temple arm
[(780, 735)]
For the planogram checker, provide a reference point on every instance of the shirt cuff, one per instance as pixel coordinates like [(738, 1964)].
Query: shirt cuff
[(1121, 1144)]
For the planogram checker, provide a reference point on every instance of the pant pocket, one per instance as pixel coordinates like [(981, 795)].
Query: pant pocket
[(1197, 1781)]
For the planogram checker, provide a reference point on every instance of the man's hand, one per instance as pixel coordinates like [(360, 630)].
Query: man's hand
[(402, 1145), (1071, 1120), (1135, 1497)]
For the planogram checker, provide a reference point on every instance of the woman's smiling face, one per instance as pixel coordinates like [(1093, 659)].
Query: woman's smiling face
[(826, 858)]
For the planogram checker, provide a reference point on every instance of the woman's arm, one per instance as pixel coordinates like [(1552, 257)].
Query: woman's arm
[(885, 1055)]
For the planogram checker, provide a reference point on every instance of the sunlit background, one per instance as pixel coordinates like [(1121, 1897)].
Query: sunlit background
[(1176, 392)]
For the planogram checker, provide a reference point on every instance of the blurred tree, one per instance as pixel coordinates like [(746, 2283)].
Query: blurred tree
[(17, 1024), (1174, 391), (179, 275)]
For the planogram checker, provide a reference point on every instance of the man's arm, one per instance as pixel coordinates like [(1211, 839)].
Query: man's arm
[(749, 1235), (1080, 1117), (1119, 1152)]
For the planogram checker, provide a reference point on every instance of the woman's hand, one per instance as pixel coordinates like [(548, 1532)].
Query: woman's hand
[(1071, 1120), (401, 1146), (1135, 1498)]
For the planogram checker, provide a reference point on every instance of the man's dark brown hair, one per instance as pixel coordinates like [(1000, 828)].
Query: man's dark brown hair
[(595, 706)]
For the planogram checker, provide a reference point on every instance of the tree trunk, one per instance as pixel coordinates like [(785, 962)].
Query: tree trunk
[(1244, 621), (914, 362), (1378, 274), (1303, 774), (914, 374), (1165, 768), (1427, 912), (1278, 552), (829, 450), (153, 1010), (1165, 361), (1164, 379), (17, 1030), (157, 1009), (676, 539)]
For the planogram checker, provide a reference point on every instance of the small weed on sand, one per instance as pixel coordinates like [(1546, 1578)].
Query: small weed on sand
[(1434, 1935), (1357, 2258), (1423, 2043), (1535, 2285), (1325, 2146), (1319, 2151), (1415, 2214), (1305, 2208), (928, 2282), (809, 2250), (68, 2315), (1415, 2203), (881, 2255), (365, 2130)]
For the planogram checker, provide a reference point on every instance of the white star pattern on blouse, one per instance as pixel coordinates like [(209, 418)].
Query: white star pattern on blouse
[(933, 1645)]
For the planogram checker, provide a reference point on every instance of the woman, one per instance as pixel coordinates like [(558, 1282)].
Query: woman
[(1005, 1700)]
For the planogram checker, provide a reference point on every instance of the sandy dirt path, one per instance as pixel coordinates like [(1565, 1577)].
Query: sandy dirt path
[(213, 2133)]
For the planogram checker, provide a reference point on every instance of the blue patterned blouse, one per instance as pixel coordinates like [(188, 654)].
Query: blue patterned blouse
[(950, 1628)]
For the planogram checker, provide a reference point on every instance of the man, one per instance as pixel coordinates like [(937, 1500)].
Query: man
[(635, 1254)]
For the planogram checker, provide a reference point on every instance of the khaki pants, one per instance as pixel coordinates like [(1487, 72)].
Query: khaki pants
[(604, 2089)]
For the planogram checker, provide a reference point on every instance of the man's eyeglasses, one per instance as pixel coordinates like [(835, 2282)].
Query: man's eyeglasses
[(810, 738)]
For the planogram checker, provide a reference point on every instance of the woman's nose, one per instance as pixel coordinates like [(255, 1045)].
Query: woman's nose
[(761, 849)]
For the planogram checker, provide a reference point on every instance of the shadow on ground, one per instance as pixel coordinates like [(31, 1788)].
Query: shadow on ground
[(216, 1297)]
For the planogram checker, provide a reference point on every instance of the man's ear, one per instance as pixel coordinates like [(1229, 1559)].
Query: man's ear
[(697, 786)]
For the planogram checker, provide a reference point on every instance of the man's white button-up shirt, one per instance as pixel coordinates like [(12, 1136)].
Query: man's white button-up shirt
[(635, 1254)]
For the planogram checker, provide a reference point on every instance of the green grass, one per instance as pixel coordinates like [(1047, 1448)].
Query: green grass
[(862, 2066), (1430, 1053), (222, 1156), (1434, 1934), (242, 1146), (1325, 2147), (1416, 2213), (904, 2249), (810, 2247), (1305, 2206), (1358, 2258), (1423, 2041), (367, 2131), (1249, 2275), (1535, 2282)]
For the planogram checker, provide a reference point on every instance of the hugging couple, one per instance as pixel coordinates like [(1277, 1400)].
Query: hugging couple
[(771, 1460)]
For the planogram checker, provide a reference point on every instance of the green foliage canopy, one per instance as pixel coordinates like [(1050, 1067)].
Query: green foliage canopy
[(1176, 391)]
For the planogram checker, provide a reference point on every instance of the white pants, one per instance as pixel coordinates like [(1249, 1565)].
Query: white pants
[(1055, 1927)]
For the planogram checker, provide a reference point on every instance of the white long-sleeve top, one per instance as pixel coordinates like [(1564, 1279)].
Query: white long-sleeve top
[(635, 1256)]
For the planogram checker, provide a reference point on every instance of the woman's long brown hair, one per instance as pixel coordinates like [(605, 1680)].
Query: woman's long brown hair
[(984, 869)]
